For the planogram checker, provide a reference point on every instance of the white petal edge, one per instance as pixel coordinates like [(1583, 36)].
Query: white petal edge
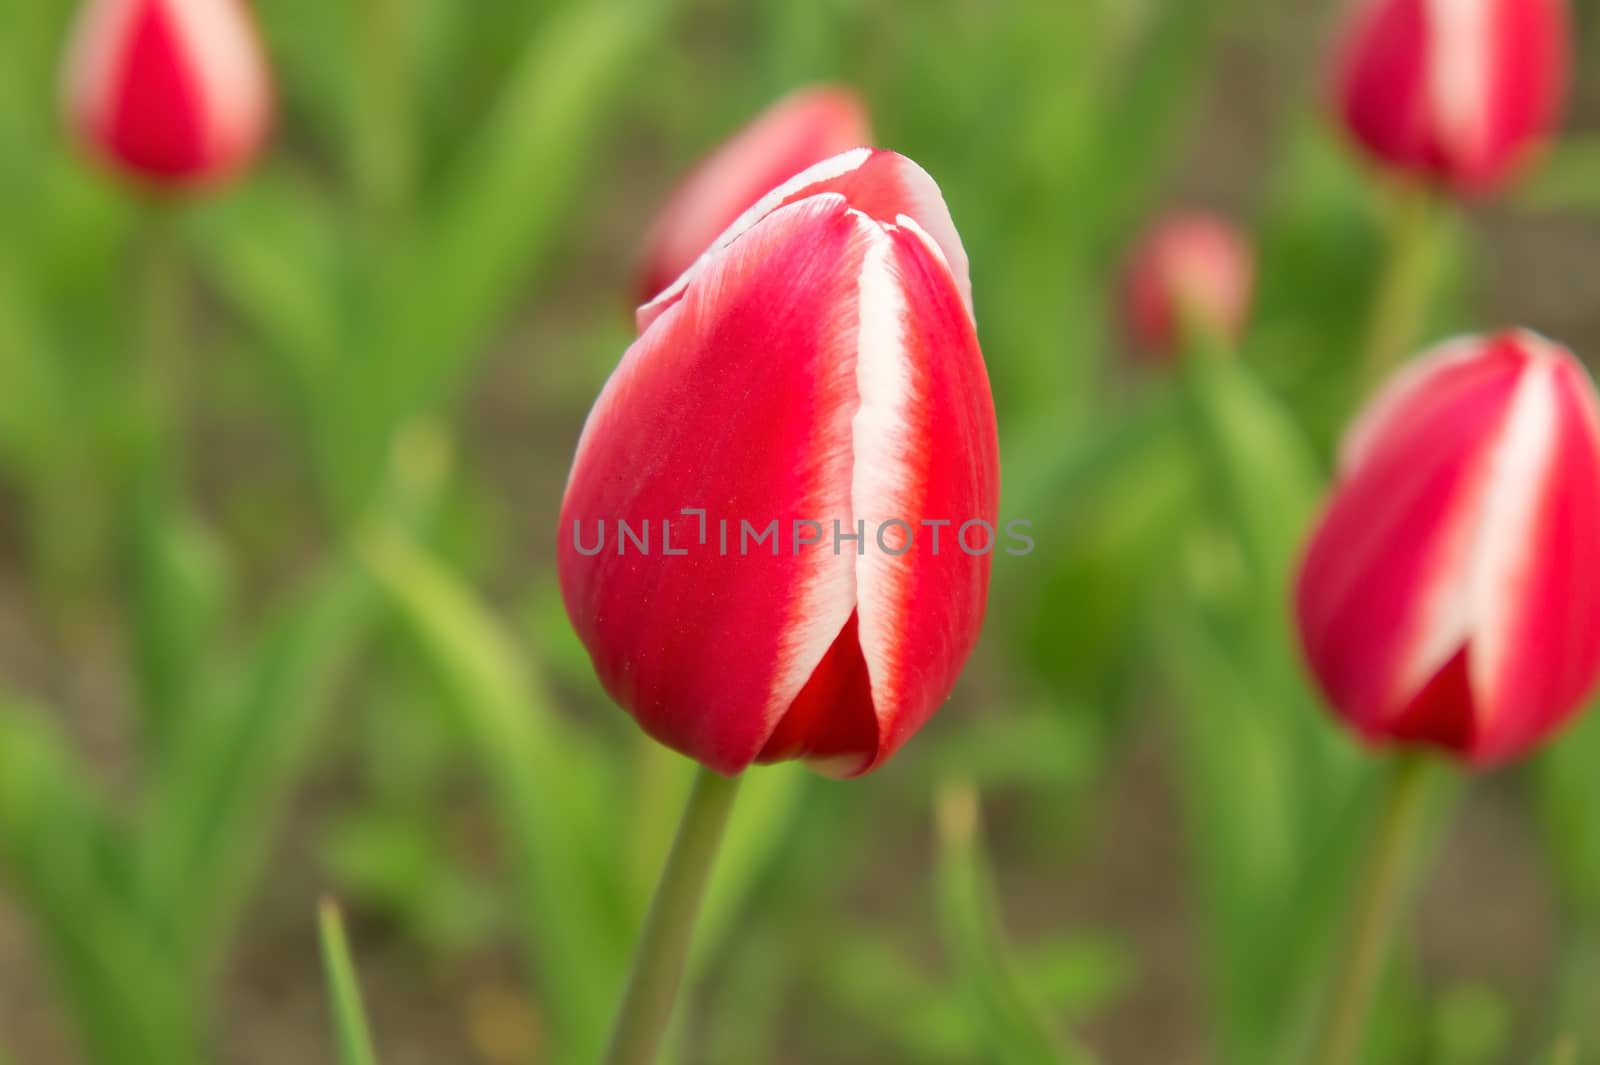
[(827, 170), (1393, 395)]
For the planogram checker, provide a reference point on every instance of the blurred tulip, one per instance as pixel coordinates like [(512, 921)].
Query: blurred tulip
[(1451, 593), (803, 128), (1455, 91), (1188, 270), (175, 92), (806, 420)]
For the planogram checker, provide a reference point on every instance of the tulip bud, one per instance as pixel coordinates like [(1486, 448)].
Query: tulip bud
[(174, 92), (1451, 593), (775, 537), (1455, 91), (803, 128), (1188, 271)]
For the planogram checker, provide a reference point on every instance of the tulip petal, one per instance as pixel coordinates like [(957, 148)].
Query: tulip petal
[(737, 400), (1539, 640), (1375, 622), (883, 185), (925, 450)]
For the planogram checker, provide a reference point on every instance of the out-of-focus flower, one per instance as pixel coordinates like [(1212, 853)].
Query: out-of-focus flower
[(1451, 593), (775, 538), (1455, 91), (1188, 271), (805, 127), (174, 92)]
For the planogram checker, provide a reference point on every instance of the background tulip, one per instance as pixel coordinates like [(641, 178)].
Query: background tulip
[(1193, 269), (821, 364), (1451, 594), (1455, 91), (805, 127), (173, 91)]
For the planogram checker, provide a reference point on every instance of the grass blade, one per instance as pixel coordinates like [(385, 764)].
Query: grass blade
[(344, 991)]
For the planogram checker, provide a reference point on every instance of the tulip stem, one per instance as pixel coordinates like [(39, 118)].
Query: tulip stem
[(1386, 883), (1401, 299), (663, 949)]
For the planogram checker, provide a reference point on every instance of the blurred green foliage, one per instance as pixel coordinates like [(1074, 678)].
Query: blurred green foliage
[(341, 584)]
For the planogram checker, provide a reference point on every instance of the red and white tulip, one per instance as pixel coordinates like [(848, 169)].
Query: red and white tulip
[(804, 128), (1188, 271), (1458, 92), (818, 365), (174, 92), (1450, 596)]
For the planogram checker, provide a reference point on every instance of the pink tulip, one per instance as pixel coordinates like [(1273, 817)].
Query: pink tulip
[(1188, 270), (1451, 593), (174, 92), (1455, 91), (803, 128), (803, 434)]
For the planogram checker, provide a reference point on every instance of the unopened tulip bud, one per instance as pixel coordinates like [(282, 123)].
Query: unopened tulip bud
[(1456, 92), (173, 92), (775, 540), (1450, 596), (803, 128), (1188, 272)]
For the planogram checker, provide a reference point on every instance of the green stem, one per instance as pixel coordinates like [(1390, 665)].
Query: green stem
[(1401, 300), (160, 340), (669, 930), (1382, 896)]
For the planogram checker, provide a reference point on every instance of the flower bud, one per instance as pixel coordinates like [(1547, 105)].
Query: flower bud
[(1455, 91), (803, 128), (775, 540), (1189, 271), (1450, 596), (173, 92)]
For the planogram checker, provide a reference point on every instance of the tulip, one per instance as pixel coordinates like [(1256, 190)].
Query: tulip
[(1450, 596), (1456, 92), (173, 92), (814, 377), (803, 128), (1189, 271)]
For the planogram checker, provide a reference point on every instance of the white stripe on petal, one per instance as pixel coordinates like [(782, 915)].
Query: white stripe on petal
[(1460, 54), (881, 488), (1475, 591), (231, 80)]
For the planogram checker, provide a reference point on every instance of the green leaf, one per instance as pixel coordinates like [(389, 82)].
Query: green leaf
[(213, 811), (344, 991), (176, 594), (1016, 1031), (509, 197), (533, 765), (59, 847)]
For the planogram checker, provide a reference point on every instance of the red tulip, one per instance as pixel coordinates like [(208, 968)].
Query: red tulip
[(803, 128), (1455, 91), (792, 476), (175, 92), (1451, 594), (1188, 270)]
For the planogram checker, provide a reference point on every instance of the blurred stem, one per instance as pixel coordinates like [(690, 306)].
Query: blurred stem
[(1016, 1030), (383, 134), (1401, 298), (669, 929), (1383, 891), (160, 341)]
